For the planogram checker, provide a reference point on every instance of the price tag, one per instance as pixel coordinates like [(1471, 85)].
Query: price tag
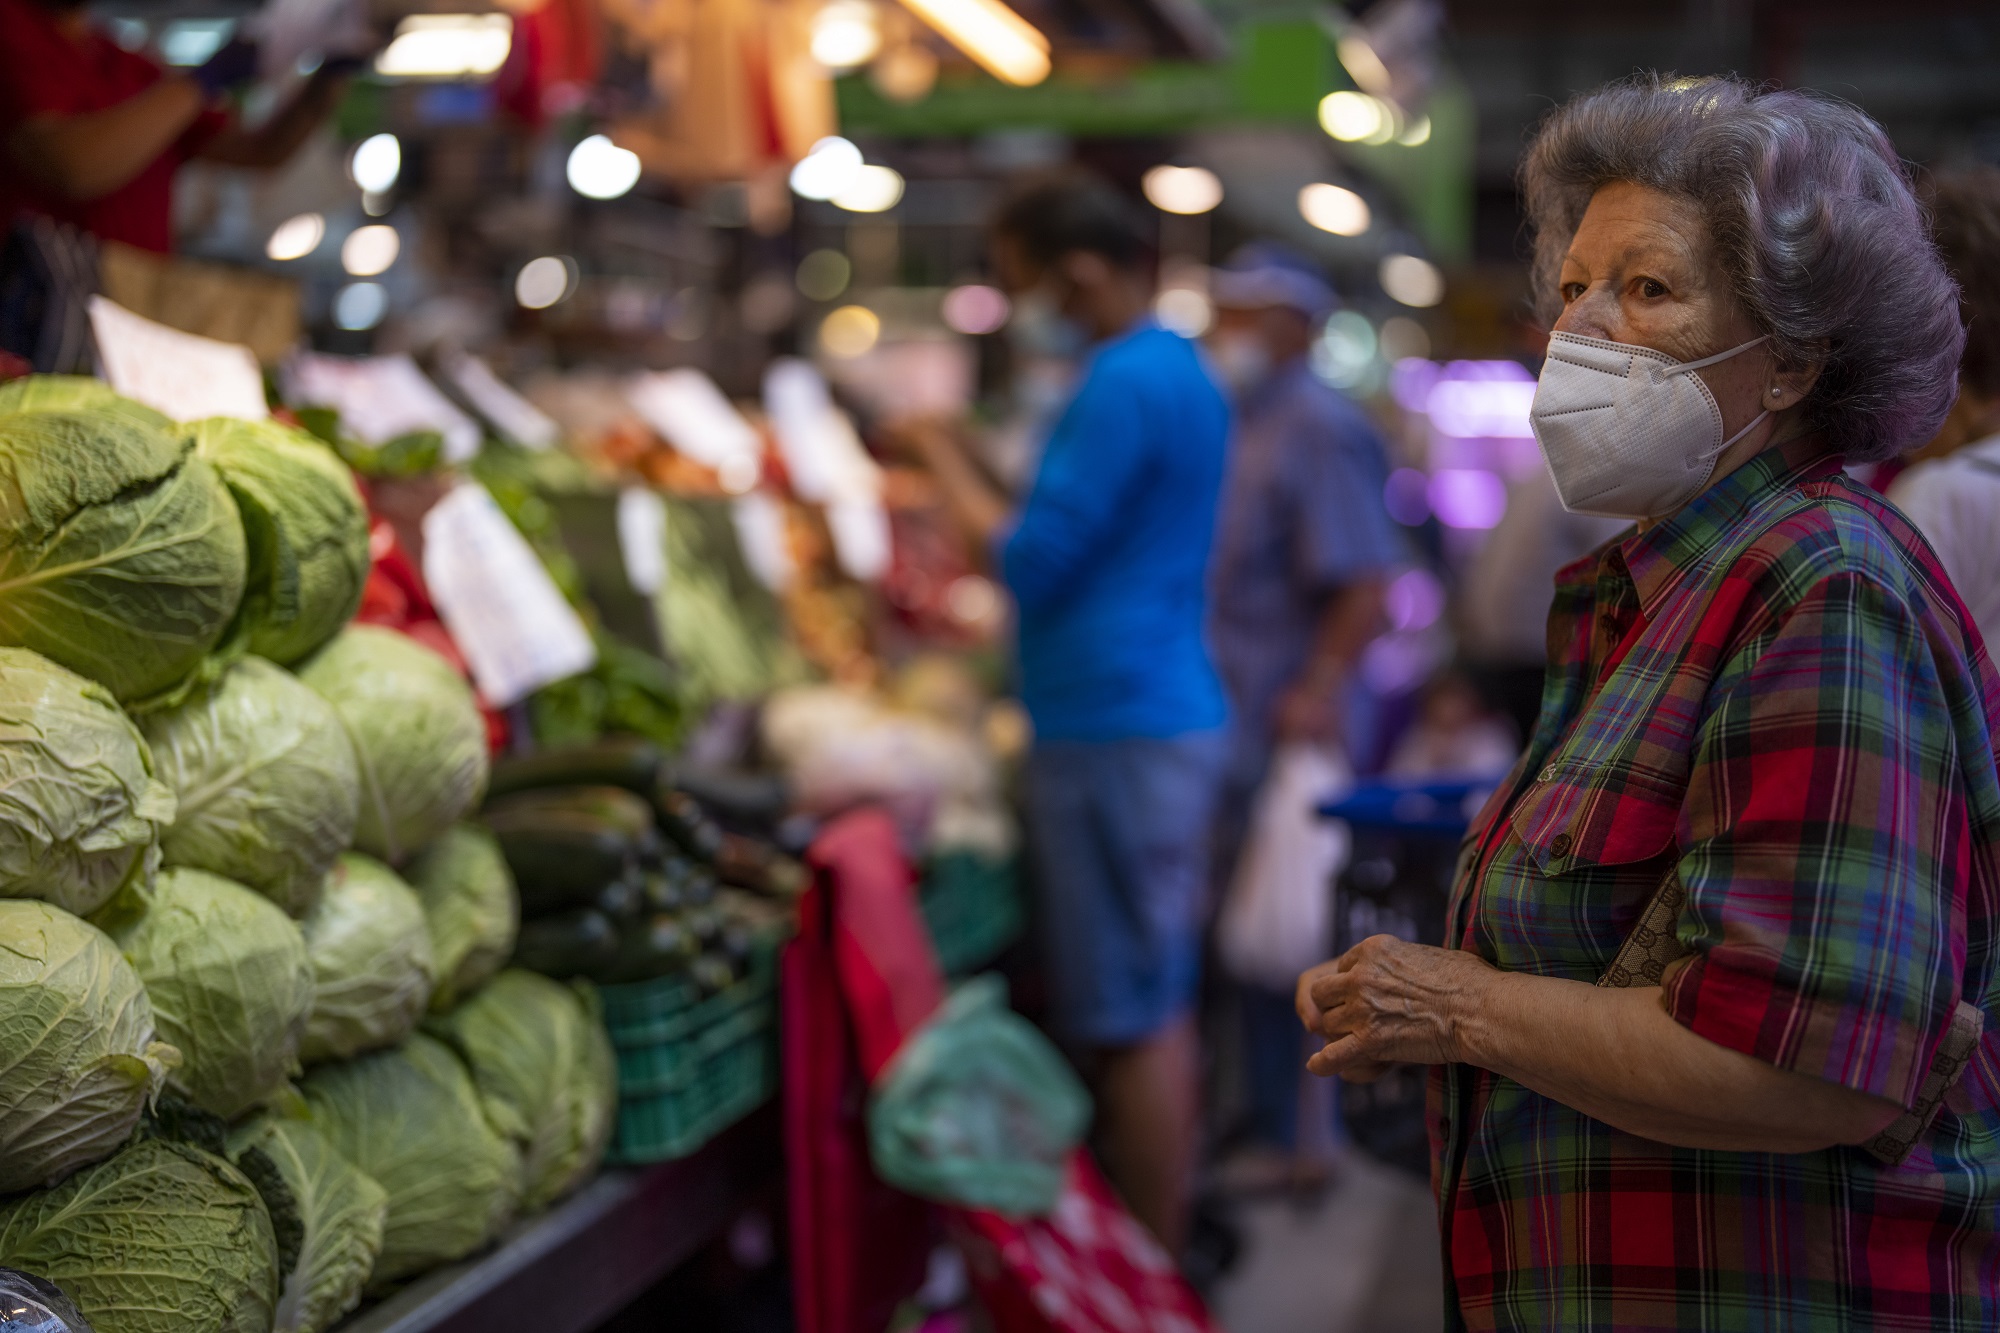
[(502, 608), (690, 413), (861, 540), (186, 376), (506, 411), (760, 532), (380, 398), (823, 456), (642, 539)]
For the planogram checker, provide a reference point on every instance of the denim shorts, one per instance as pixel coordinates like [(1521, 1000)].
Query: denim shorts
[(1120, 833)]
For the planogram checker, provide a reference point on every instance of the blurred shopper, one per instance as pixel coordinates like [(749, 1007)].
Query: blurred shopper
[(1301, 557), (1106, 563), (1708, 1028), (1953, 493)]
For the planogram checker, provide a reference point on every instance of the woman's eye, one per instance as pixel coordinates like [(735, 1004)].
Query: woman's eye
[(1571, 291), (1652, 288)]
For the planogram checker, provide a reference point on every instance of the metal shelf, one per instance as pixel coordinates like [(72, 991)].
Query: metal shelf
[(573, 1267)]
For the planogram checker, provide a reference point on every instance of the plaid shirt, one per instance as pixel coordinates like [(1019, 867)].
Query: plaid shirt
[(1776, 694)]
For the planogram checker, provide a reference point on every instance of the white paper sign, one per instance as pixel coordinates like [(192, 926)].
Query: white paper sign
[(186, 376), (380, 398), (690, 413), (760, 532), (861, 539), (506, 411), (502, 608), (823, 455), (642, 539)]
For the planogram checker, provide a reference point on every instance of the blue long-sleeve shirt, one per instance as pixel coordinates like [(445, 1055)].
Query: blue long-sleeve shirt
[(1108, 559)]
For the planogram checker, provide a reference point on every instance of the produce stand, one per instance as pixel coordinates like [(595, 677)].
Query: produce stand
[(570, 1269)]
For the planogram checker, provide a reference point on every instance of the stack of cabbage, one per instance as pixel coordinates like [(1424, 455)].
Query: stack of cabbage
[(206, 777)]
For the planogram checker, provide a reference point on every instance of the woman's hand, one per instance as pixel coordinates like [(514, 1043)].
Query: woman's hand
[(1387, 1001)]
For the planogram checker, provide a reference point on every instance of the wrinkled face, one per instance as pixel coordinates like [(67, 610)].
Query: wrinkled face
[(1642, 269)]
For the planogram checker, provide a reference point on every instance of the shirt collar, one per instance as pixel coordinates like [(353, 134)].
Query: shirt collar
[(1659, 558)]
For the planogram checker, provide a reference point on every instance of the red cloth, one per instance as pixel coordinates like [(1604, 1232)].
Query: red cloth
[(44, 71)]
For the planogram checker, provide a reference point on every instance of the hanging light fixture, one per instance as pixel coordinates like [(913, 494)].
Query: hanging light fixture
[(1003, 43)]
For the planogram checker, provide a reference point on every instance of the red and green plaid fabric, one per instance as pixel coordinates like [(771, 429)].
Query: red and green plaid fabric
[(1776, 694)]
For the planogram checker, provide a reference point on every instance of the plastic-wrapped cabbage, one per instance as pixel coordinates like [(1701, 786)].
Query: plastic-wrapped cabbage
[(121, 555), (230, 983), (474, 913), (307, 531), (75, 393), (29, 1304), (371, 959), (81, 809), (416, 730), (543, 1063), (342, 1212), (162, 1238), (412, 1120), (80, 1056), (265, 780)]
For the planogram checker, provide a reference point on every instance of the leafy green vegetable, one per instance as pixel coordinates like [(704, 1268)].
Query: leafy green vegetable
[(342, 1212), (121, 555), (162, 1238), (81, 810), (231, 986), (371, 957), (545, 1067), (474, 913), (80, 1058), (266, 782), (627, 692), (411, 1119), (75, 393), (306, 527), (416, 731)]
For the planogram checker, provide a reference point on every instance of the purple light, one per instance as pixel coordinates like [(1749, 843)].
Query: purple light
[(1415, 600), (1410, 382), (1468, 497), (1405, 497)]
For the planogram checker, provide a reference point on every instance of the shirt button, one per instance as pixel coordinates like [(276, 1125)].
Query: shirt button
[(1561, 844), (1549, 773)]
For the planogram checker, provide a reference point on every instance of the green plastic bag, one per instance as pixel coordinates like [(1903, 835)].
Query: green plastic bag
[(978, 1109)]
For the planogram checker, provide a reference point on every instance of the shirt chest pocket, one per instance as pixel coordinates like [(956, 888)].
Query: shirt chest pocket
[(1579, 814)]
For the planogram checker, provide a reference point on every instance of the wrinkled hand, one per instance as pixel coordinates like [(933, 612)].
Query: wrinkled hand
[(1387, 1001)]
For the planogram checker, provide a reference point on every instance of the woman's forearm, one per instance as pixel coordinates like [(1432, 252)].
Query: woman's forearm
[(84, 157), (1620, 1057)]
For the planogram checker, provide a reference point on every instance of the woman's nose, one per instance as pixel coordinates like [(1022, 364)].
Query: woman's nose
[(1591, 315)]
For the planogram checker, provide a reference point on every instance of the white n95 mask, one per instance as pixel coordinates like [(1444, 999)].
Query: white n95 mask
[(1627, 432)]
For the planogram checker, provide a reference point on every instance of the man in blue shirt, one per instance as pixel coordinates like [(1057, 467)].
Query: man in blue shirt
[(1108, 562)]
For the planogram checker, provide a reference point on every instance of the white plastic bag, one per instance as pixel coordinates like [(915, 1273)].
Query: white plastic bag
[(1278, 918)]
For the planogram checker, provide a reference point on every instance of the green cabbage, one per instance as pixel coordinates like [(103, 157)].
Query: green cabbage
[(307, 531), (121, 554), (266, 782), (343, 1212), (411, 1119), (474, 913), (75, 393), (230, 983), (417, 733), (81, 811), (544, 1065), (371, 957), (162, 1238), (77, 1035)]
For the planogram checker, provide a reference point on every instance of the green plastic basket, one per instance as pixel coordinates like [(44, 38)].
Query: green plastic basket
[(721, 1090), (972, 904)]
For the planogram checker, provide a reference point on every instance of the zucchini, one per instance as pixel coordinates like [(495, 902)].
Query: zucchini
[(688, 825), (562, 861), (653, 948), (615, 761), (571, 944), (751, 800), (613, 807), (623, 900)]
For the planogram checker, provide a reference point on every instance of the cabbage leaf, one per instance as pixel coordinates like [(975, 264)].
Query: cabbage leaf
[(371, 956), (474, 912), (343, 1212)]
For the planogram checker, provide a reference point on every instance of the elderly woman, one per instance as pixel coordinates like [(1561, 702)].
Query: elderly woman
[(1708, 1026)]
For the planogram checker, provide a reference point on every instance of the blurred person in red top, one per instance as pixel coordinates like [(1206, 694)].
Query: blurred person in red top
[(91, 134)]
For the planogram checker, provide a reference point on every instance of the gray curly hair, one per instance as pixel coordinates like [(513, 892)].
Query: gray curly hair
[(1814, 220)]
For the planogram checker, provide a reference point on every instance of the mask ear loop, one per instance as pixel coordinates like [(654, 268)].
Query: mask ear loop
[(1687, 366)]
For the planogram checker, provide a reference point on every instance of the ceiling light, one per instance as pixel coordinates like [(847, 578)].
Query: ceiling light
[(1331, 208), (1184, 310), (975, 309), (823, 275), (1411, 280), (846, 34), (377, 162), (297, 237), (600, 169), (905, 73), (1006, 45), (447, 46), (827, 168), (1418, 132), (1182, 189), (360, 305), (871, 190), (370, 250), (849, 331), (1351, 117), (543, 282), (1358, 58)]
